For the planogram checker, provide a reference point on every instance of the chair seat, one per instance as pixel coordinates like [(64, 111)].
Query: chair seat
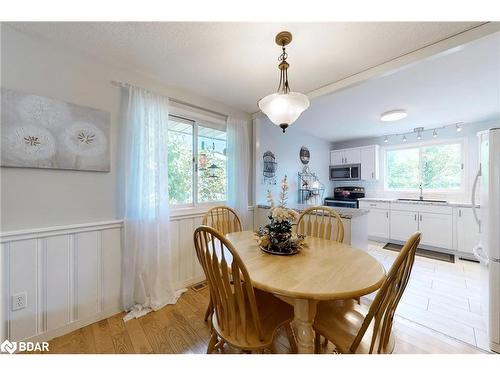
[(273, 313), (340, 322)]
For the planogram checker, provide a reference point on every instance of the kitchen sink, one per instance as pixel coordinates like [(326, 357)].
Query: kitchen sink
[(422, 200)]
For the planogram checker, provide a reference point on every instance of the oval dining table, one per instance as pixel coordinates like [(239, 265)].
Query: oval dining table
[(322, 270)]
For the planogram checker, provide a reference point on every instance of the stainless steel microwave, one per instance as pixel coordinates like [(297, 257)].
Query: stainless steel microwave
[(345, 172)]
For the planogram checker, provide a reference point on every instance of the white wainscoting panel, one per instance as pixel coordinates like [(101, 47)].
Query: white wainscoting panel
[(72, 274), (71, 277)]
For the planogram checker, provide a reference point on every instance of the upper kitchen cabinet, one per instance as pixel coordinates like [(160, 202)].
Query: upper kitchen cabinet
[(337, 157), (346, 156), (352, 156), (366, 156), (369, 162)]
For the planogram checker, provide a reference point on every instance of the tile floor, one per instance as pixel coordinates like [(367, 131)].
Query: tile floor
[(442, 296)]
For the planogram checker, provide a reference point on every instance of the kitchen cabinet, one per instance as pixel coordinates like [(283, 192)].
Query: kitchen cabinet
[(378, 218), (337, 157), (366, 156), (403, 224), (378, 223), (370, 163), (437, 229), (352, 156), (435, 223), (467, 232), (442, 226), (346, 156)]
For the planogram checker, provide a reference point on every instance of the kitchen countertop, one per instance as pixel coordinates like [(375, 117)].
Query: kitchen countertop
[(395, 200), (345, 213)]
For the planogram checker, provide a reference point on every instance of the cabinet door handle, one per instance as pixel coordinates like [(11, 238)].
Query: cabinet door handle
[(420, 217), (459, 213), (373, 175), (415, 217), (387, 214)]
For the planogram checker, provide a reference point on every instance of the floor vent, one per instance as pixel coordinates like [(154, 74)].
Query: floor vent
[(449, 258), (199, 286), (469, 260)]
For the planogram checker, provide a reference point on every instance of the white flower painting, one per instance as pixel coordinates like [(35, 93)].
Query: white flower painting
[(40, 132)]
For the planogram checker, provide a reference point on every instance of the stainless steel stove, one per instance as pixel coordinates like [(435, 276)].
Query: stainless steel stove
[(346, 196)]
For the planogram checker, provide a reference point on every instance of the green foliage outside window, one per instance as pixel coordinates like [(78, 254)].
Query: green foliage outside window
[(211, 149), (437, 167)]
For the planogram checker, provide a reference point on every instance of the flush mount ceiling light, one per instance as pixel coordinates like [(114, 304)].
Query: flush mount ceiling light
[(394, 115), (458, 127), (284, 106)]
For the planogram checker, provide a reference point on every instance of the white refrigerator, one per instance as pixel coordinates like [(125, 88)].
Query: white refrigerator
[(486, 188)]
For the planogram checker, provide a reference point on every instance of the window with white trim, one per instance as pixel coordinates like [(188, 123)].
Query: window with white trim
[(437, 166), (197, 164)]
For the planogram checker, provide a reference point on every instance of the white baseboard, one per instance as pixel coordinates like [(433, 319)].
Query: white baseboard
[(61, 331)]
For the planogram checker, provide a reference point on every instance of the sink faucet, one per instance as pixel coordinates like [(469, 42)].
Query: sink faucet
[(421, 197)]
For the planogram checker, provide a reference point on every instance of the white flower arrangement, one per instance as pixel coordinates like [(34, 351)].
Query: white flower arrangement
[(277, 237)]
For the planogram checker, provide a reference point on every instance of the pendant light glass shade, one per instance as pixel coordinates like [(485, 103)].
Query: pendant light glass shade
[(284, 109), (285, 106)]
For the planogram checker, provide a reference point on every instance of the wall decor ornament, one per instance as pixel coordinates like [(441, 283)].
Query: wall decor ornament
[(304, 155), (41, 132), (269, 168)]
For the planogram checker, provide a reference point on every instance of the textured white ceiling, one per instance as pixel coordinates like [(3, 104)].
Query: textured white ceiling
[(459, 85), (236, 63)]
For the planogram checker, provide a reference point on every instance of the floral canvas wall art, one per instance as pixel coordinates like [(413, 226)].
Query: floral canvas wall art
[(41, 132)]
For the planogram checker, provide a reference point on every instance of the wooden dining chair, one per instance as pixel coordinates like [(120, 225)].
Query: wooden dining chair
[(225, 220), (244, 317), (351, 328), (322, 222)]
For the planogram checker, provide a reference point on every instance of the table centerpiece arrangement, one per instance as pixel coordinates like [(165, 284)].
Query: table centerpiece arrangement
[(277, 237)]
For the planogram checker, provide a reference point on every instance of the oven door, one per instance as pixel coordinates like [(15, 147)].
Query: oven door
[(341, 203), (345, 172)]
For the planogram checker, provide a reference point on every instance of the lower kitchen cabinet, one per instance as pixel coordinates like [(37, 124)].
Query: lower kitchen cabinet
[(466, 229), (445, 227), (403, 224), (378, 223), (437, 229)]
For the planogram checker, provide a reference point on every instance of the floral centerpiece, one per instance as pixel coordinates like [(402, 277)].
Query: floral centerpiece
[(277, 236)]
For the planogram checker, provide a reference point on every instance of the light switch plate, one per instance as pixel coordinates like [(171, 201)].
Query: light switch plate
[(19, 301)]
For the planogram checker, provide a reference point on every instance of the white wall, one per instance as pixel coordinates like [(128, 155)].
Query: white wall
[(286, 148), (34, 198), (468, 134), (71, 279)]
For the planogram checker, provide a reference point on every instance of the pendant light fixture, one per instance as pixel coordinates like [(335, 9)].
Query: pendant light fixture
[(284, 106)]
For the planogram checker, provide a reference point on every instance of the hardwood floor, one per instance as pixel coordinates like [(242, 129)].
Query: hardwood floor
[(180, 329)]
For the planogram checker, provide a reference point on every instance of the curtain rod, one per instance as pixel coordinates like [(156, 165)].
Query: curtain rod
[(177, 101)]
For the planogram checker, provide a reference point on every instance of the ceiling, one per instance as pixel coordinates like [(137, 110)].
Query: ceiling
[(459, 85), (236, 63)]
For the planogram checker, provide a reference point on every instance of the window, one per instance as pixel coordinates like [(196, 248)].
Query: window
[(437, 166), (201, 179)]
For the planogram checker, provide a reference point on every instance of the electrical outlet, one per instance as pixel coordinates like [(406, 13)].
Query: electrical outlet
[(19, 301)]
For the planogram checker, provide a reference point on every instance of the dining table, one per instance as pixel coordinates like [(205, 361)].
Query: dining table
[(323, 270)]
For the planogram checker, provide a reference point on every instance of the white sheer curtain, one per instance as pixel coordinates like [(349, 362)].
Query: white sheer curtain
[(146, 264), (238, 167)]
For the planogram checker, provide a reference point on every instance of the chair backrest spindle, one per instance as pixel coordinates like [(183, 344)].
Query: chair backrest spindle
[(223, 218), (386, 301), (229, 283), (322, 222)]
